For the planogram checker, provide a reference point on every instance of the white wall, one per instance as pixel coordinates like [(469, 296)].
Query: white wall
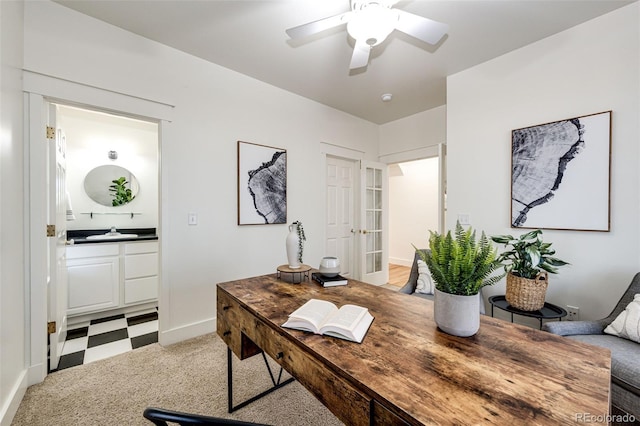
[(214, 108), (413, 208), (12, 211), (409, 138), (90, 136), (587, 69)]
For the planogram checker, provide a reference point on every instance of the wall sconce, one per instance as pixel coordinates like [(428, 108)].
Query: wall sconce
[(113, 155)]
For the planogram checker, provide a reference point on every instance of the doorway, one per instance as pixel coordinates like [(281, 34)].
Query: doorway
[(414, 210), (357, 218), (111, 310), (41, 90)]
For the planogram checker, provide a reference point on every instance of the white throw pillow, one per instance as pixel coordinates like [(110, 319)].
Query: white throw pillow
[(424, 284), (627, 324)]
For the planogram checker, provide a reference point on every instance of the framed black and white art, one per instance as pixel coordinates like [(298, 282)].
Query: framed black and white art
[(262, 184), (560, 174)]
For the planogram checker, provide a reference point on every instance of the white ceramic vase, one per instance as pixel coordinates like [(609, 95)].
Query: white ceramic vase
[(329, 266), (457, 315), (293, 247)]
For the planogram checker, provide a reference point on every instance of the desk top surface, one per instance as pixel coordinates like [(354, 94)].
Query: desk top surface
[(505, 374)]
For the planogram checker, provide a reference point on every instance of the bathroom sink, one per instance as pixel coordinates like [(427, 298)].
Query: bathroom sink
[(111, 236)]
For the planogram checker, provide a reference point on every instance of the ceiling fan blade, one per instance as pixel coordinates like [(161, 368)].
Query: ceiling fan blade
[(320, 25), (424, 29), (360, 57)]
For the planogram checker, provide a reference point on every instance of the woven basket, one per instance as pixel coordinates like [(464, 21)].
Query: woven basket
[(526, 294)]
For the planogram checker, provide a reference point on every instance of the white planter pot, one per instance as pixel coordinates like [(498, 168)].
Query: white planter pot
[(293, 241), (457, 315)]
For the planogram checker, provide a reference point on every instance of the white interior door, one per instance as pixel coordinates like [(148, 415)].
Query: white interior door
[(340, 227), (374, 223), (57, 235)]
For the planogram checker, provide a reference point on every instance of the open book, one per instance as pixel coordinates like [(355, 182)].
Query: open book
[(350, 322)]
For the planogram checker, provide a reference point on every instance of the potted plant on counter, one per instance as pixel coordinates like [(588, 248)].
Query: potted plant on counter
[(529, 261), (460, 266)]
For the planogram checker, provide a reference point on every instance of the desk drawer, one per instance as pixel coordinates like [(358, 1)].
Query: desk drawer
[(228, 314), (345, 401)]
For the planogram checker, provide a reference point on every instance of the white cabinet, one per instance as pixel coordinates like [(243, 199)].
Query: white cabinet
[(140, 272), (93, 277), (107, 276)]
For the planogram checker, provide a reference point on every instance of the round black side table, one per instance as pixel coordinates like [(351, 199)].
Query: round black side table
[(548, 311)]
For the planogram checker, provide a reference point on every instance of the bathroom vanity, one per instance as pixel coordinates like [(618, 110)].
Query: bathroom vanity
[(111, 273)]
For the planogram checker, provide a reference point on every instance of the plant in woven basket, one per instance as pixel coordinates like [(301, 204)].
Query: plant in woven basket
[(461, 265), (527, 256), (528, 260)]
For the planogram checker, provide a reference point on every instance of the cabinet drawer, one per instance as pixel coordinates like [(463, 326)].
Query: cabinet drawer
[(140, 289), (97, 250), (136, 248), (140, 265)]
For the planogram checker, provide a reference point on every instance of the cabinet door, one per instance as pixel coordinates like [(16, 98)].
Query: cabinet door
[(94, 284)]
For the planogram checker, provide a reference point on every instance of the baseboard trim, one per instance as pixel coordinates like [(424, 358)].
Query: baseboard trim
[(401, 262), (189, 331), (14, 399)]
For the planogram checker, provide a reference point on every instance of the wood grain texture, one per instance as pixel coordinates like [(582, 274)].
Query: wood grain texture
[(505, 374)]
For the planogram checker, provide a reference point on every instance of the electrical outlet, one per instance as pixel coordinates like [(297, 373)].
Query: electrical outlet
[(573, 313)]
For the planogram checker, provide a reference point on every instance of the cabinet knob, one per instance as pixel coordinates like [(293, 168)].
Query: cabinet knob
[(279, 355), (226, 333), (224, 308)]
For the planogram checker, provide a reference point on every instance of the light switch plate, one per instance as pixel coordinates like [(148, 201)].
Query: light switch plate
[(192, 219)]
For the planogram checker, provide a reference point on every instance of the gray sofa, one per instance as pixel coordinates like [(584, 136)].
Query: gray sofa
[(625, 354)]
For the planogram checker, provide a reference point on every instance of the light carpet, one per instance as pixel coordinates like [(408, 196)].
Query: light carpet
[(189, 376)]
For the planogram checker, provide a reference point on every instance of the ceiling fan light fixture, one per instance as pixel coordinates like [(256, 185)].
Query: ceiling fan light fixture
[(372, 24)]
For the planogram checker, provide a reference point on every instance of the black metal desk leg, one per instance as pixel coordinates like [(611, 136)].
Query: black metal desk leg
[(277, 384)]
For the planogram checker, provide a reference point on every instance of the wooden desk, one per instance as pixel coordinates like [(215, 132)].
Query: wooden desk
[(406, 371)]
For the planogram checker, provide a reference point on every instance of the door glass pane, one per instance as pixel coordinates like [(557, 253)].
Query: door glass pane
[(378, 262), (371, 224), (370, 199), (370, 180), (378, 241), (370, 242), (378, 174), (370, 263)]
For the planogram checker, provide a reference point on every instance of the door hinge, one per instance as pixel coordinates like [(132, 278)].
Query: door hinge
[(51, 132), (51, 230), (51, 327)]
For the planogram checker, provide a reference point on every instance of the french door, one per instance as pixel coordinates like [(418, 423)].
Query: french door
[(374, 223)]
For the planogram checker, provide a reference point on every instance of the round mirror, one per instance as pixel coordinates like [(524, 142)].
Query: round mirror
[(111, 185)]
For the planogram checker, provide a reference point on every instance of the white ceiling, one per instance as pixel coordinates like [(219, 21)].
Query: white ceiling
[(249, 37)]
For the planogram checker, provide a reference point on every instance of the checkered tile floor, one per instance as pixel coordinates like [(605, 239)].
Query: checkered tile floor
[(106, 337)]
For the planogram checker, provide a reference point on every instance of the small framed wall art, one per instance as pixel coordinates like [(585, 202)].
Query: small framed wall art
[(560, 174), (262, 184)]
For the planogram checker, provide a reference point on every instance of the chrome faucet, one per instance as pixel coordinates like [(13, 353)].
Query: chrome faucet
[(113, 230)]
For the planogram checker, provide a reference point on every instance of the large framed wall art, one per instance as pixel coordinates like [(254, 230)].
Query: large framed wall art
[(262, 184), (560, 174)]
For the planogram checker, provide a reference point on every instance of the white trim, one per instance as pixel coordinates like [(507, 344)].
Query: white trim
[(189, 331), (89, 96), (14, 398), (410, 155), (36, 240), (340, 151)]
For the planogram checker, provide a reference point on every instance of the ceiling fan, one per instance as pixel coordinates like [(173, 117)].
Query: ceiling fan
[(369, 23)]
